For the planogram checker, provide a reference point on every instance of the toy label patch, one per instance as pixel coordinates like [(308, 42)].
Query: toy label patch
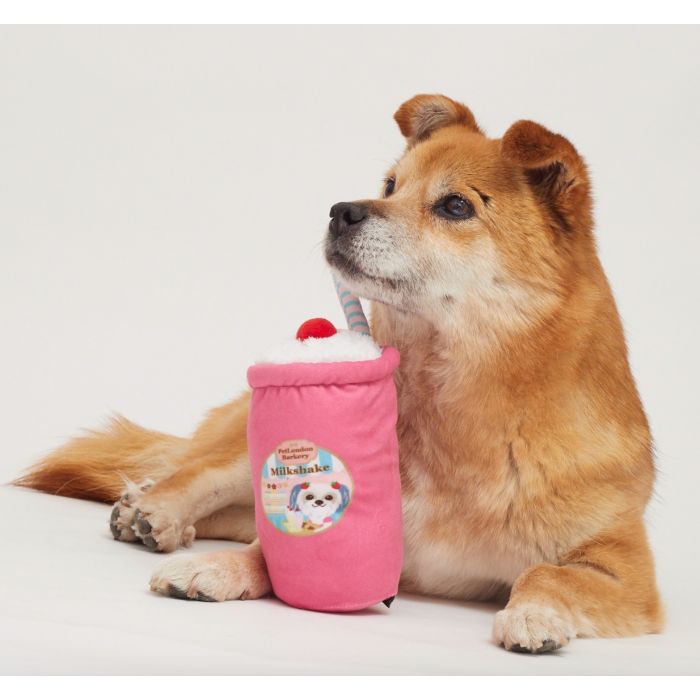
[(305, 489), (296, 452)]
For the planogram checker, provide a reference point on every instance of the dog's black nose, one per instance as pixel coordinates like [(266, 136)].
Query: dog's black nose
[(345, 217), (318, 502)]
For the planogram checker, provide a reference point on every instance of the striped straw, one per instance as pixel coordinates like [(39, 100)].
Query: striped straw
[(352, 308)]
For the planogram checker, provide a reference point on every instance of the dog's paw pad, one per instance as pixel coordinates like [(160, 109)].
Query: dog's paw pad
[(547, 646), (150, 543), (175, 592), (142, 526), (121, 519)]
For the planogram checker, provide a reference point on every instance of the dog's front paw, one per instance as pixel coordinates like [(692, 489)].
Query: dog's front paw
[(531, 628), (159, 529), (216, 576), (121, 520)]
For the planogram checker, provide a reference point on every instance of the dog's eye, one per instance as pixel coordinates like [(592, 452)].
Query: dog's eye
[(389, 186), (310, 497), (329, 497), (454, 206)]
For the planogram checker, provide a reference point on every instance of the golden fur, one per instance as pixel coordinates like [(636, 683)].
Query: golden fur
[(525, 452)]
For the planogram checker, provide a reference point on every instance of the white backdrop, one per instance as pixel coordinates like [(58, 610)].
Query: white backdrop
[(164, 192)]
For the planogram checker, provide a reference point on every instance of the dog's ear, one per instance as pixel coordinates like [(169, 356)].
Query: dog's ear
[(344, 496), (293, 495), (554, 169), (423, 115)]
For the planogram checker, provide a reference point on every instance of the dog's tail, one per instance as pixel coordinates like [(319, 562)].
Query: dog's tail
[(98, 465)]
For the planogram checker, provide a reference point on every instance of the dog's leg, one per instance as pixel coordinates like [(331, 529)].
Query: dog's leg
[(236, 523), (165, 515), (605, 588), (235, 574), (215, 474)]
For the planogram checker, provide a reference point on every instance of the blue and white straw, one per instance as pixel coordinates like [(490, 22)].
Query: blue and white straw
[(352, 308)]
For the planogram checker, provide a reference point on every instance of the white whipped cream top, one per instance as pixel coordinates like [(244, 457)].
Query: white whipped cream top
[(344, 346)]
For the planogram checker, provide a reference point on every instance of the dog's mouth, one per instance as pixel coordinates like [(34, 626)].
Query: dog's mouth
[(346, 265)]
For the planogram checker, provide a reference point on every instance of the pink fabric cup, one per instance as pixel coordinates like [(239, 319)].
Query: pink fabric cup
[(324, 454)]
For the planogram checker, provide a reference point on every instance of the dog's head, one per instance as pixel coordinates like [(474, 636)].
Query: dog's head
[(319, 500), (466, 224)]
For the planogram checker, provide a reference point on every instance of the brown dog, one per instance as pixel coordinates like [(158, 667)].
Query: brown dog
[(526, 454)]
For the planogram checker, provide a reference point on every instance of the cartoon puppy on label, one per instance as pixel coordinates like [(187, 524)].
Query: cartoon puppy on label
[(318, 503)]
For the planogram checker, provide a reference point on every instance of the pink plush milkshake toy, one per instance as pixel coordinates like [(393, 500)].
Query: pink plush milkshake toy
[(324, 454)]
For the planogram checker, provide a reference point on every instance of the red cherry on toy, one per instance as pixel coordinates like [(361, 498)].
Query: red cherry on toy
[(316, 328)]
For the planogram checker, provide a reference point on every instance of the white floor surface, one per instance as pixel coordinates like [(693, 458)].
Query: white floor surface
[(74, 601)]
